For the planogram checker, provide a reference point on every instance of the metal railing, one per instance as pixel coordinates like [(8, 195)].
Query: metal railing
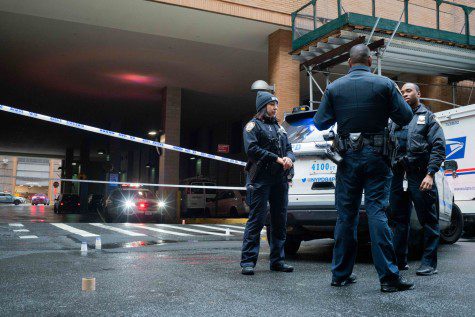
[(435, 14)]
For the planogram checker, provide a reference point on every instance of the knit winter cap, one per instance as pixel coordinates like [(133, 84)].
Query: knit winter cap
[(263, 98)]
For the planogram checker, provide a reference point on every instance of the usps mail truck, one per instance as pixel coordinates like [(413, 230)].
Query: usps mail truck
[(459, 129)]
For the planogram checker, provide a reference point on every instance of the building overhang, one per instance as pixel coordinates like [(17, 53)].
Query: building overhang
[(414, 49)]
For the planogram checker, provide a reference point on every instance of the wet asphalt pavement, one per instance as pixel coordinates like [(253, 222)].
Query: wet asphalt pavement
[(166, 272), (41, 213)]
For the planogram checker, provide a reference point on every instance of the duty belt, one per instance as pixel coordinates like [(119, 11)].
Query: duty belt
[(372, 142), (357, 141)]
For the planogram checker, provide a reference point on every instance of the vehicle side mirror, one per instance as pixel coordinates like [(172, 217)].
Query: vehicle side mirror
[(450, 165)]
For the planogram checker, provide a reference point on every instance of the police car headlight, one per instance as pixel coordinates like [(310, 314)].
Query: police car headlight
[(161, 204), (129, 204)]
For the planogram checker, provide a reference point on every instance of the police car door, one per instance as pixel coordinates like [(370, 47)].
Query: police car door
[(314, 179)]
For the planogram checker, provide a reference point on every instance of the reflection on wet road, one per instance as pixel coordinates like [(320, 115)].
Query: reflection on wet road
[(29, 213)]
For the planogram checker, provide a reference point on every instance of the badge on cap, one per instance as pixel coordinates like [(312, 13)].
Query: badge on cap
[(421, 119), (250, 126)]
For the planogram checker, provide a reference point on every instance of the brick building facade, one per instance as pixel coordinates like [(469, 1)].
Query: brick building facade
[(284, 73)]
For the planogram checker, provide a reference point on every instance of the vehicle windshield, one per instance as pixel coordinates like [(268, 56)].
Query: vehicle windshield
[(144, 194), (300, 128)]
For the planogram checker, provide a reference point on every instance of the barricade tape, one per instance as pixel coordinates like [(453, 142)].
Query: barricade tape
[(116, 134), (123, 183)]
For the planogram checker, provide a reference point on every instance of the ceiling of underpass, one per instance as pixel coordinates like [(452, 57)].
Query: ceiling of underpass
[(103, 62)]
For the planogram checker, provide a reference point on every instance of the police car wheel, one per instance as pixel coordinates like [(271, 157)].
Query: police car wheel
[(455, 230), (292, 245), (16, 202)]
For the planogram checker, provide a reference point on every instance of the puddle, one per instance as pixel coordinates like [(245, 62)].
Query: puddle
[(135, 244), (126, 245)]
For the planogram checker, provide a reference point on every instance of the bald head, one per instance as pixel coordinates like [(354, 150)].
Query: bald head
[(360, 55)]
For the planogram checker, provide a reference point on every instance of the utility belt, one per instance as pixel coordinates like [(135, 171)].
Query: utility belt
[(381, 142), (356, 142)]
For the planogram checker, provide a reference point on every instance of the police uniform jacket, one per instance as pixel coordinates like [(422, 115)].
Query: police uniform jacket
[(265, 140), (425, 145), (361, 102)]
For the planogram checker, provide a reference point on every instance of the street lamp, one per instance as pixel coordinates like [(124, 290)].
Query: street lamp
[(152, 133), (260, 85)]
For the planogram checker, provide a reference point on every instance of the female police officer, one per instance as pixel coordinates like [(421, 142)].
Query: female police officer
[(270, 158)]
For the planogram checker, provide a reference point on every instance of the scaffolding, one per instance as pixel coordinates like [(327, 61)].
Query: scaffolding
[(324, 32)]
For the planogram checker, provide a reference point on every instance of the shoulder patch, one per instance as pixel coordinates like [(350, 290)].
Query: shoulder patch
[(250, 126)]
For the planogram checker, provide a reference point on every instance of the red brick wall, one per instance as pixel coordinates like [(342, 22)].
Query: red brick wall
[(283, 71)]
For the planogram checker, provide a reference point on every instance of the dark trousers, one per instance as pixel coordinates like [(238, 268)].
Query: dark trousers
[(363, 170), (275, 191), (401, 206)]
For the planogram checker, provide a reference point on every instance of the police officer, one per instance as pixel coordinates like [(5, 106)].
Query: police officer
[(270, 158), (361, 103), (419, 155)]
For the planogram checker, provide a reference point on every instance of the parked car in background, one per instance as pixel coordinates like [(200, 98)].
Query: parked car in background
[(67, 203), (196, 199), (40, 199), (94, 202), (228, 203), (7, 198), (21, 199)]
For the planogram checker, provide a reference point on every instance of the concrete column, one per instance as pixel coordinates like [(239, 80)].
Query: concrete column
[(84, 173), (67, 171), (130, 166), (14, 170), (50, 183), (284, 73), (114, 158), (169, 166)]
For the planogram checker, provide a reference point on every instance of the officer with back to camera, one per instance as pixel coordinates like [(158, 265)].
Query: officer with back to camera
[(419, 155), (361, 103), (270, 159)]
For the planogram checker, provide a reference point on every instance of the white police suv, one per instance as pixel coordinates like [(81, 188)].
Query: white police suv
[(311, 211)]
